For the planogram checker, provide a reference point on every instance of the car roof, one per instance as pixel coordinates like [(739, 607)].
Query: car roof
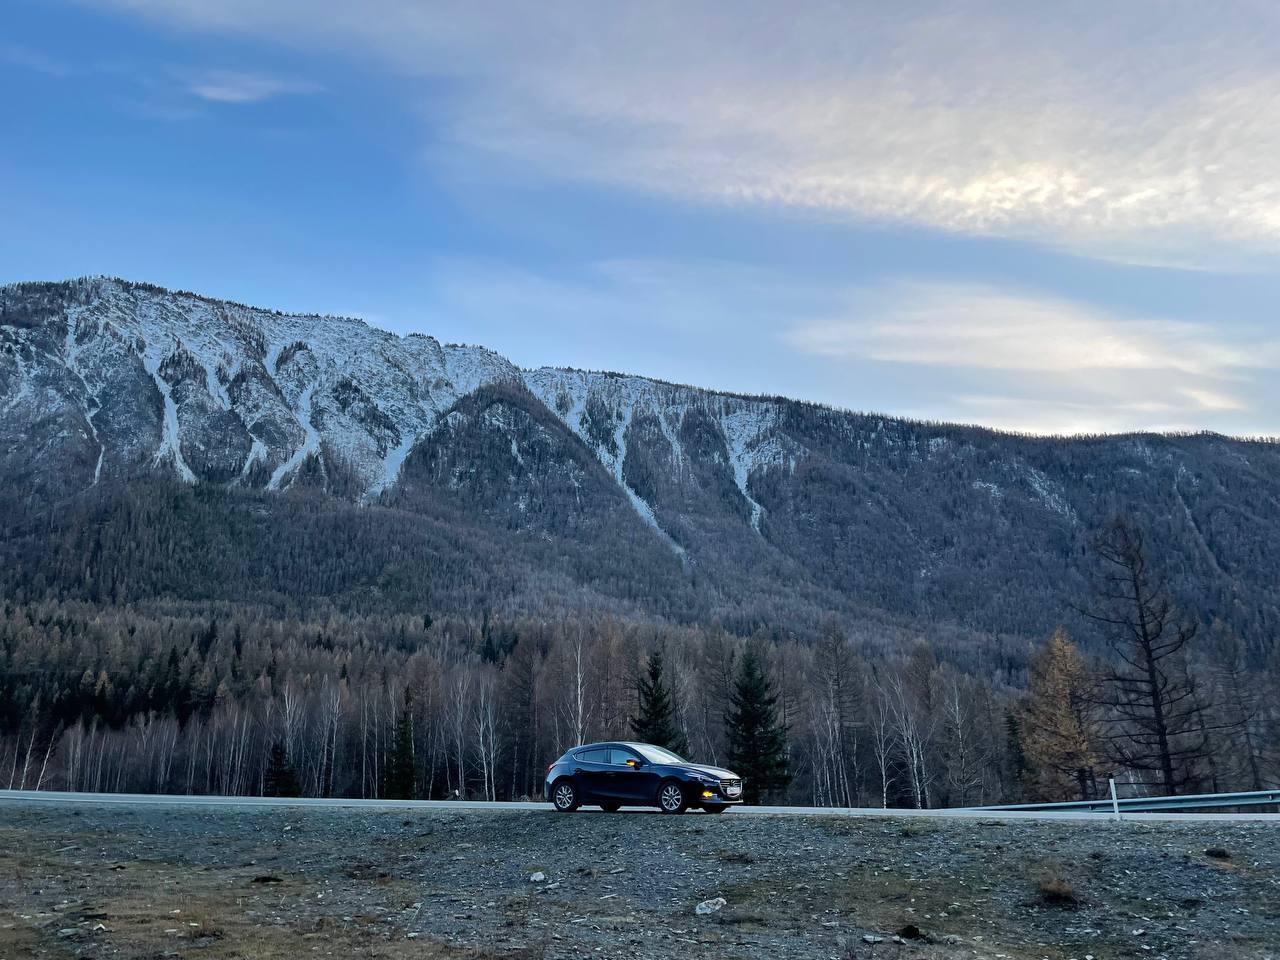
[(629, 744)]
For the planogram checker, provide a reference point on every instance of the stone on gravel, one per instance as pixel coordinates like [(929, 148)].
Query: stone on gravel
[(360, 883), (710, 906), (538, 877)]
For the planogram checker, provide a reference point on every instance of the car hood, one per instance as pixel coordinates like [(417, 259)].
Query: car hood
[(720, 773)]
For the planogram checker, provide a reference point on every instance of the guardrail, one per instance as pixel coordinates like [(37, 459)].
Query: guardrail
[(1200, 801)]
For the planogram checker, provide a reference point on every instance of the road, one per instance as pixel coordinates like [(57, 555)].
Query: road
[(164, 800)]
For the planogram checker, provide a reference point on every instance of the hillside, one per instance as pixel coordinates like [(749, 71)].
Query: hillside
[(163, 445)]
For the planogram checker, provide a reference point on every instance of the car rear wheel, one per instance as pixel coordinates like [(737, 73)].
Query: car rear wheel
[(564, 797), (715, 808), (610, 807), (671, 798)]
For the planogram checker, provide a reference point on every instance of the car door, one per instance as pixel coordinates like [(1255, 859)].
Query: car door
[(632, 778), (593, 770)]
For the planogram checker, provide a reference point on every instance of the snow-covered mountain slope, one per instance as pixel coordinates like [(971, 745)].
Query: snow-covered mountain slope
[(116, 378), (128, 377), (666, 498)]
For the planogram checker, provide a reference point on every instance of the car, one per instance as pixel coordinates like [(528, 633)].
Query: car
[(622, 774)]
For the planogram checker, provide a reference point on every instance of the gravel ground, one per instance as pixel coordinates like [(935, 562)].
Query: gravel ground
[(100, 881)]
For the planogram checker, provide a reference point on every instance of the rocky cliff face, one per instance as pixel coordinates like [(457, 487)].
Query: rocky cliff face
[(104, 379), (768, 507)]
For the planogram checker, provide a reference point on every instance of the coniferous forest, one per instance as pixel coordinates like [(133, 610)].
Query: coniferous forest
[(249, 552), (219, 697)]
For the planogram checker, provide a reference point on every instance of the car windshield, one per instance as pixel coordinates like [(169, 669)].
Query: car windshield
[(656, 754)]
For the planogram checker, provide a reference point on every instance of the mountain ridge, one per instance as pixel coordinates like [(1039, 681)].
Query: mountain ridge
[(660, 381), (771, 509)]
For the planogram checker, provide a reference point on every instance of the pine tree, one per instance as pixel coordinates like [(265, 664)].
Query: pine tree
[(757, 739), (656, 720), (400, 782), (281, 779), (1018, 766), (1160, 726), (1060, 727)]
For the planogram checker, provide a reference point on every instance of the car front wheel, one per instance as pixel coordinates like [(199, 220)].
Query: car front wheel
[(671, 798), (564, 796)]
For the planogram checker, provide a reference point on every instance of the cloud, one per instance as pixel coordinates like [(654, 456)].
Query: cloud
[(1127, 131), (1210, 400), (29, 59), (233, 87), (1046, 364), (967, 325), (1006, 358)]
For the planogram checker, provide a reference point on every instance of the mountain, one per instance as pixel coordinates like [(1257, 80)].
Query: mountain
[(164, 445)]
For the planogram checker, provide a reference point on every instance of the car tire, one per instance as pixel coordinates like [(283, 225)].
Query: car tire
[(715, 808), (671, 797), (610, 807), (564, 796)]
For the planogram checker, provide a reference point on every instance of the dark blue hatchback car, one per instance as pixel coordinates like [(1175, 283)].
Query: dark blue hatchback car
[(620, 774)]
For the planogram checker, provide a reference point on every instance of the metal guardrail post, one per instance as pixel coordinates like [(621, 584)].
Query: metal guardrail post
[(1115, 801)]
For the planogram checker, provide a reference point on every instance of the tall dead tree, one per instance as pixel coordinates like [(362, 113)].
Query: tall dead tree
[(1158, 719)]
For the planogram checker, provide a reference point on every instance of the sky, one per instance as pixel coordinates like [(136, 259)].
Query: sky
[(1055, 219)]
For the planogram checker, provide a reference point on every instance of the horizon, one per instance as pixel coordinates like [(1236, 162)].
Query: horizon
[(1058, 228)]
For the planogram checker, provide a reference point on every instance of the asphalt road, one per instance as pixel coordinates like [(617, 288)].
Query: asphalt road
[(164, 800)]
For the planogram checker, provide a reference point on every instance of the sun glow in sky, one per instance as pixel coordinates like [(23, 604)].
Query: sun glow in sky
[(1055, 220)]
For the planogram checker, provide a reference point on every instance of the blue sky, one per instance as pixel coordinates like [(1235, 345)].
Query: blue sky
[(968, 211)]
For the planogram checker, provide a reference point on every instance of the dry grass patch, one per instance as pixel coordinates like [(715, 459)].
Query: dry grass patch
[(1054, 890), (16, 941)]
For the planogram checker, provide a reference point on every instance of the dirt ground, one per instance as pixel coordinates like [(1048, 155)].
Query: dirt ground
[(103, 881)]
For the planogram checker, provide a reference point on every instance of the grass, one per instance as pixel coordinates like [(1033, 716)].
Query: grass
[(1055, 891)]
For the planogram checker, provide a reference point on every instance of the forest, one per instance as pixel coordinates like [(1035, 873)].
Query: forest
[(222, 698)]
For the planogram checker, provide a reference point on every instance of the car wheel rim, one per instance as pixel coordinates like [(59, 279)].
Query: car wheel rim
[(564, 797), (671, 797)]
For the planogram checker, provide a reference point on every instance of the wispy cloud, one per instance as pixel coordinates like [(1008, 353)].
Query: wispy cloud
[(1050, 364), (1121, 130), (225, 86), (31, 59), (965, 325), (1007, 358)]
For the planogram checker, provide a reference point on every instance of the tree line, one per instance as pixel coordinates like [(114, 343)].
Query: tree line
[(232, 700)]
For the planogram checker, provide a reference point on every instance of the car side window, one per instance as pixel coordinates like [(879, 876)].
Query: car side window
[(593, 756), (620, 757)]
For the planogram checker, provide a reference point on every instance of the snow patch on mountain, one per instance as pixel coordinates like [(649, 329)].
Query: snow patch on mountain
[(392, 464), (257, 452), (170, 450), (616, 461), (70, 351), (747, 429), (567, 392), (1048, 495), (310, 444), (749, 426)]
